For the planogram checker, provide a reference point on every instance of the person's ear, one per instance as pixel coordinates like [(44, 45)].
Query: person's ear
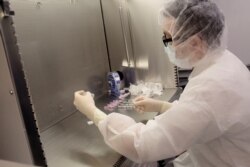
[(199, 46), (196, 42)]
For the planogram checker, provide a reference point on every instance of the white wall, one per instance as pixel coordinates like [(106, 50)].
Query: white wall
[(237, 15)]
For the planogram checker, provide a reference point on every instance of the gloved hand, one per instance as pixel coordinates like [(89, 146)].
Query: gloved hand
[(144, 104), (84, 102)]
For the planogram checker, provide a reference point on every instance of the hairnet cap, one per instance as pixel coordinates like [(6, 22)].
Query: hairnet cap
[(200, 18)]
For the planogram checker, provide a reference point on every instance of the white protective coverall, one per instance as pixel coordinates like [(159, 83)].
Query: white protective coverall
[(211, 120)]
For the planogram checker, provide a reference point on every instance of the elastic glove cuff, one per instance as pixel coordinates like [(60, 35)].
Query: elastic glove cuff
[(98, 116), (165, 106)]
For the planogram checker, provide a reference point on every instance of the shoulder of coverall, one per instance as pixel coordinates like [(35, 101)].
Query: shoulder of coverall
[(222, 82), (222, 66), (212, 74), (207, 62)]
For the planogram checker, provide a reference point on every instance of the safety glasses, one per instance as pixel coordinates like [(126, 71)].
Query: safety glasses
[(166, 40)]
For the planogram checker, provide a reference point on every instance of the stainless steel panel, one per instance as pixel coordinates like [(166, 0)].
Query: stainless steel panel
[(151, 61), (138, 21), (63, 48), (13, 141), (115, 33)]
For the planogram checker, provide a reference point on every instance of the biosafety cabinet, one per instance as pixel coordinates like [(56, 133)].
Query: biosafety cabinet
[(51, 48)]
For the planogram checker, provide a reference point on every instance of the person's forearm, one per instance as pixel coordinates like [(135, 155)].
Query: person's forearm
[(96, 115)]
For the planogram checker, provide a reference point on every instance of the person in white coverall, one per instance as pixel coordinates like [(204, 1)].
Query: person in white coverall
[(210, 124)]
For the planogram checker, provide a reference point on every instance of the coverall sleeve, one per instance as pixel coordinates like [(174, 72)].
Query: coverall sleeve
[(187, 123)]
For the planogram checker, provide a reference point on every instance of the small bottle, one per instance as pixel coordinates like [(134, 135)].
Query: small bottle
[(114, 83)]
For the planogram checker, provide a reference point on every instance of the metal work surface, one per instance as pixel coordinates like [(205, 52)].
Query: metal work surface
[(63, 49), (13, 164), (138, 117), (74, 143)]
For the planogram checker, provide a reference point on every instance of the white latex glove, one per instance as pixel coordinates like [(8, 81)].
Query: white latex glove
[(84, 102), (144, 104)]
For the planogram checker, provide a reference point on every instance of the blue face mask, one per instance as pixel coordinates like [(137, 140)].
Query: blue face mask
[(183, 63)]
